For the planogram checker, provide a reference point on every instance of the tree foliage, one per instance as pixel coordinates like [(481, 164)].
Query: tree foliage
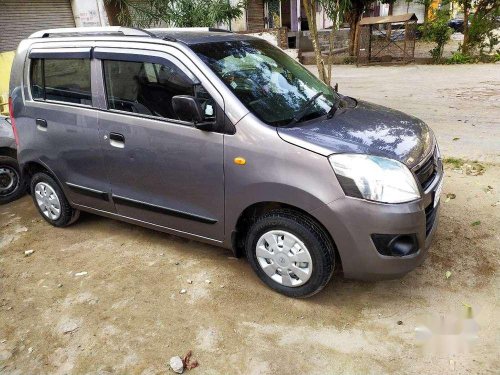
[(335, 10), (480, 34), (176, 13), (439, 32), (353, 13), (310, 8)]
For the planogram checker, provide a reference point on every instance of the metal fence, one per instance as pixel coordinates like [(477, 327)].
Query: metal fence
[(387, 40)]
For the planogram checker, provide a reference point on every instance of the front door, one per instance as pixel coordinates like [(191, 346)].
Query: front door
[(162, 170)]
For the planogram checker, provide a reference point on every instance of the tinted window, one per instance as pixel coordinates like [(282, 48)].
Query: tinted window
[(64, 80), (145, 88), (36, 79)]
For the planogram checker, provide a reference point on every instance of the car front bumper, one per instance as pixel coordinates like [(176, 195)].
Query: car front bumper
[(351, 223)]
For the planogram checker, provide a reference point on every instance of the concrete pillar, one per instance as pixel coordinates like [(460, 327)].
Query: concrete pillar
[(89, 13)]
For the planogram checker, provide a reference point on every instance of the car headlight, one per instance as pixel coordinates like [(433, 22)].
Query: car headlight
[(375, 178)]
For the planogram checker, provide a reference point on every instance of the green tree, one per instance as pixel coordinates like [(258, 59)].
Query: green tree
[(334, 9), (439, 32), (480, 21), (310, 8), (175, 13), (353, 14)]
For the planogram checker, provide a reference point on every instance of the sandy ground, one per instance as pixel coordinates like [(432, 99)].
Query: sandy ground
[(126, 315)]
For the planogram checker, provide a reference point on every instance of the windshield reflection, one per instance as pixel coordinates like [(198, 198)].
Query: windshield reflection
[(267, 81)]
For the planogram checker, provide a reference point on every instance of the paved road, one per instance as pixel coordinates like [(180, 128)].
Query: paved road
[(457, 101)]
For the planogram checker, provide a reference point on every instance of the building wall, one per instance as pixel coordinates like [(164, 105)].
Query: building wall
[(400, 7), (89, 13)]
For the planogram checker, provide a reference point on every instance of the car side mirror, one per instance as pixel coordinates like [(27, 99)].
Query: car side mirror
[(188, 108)]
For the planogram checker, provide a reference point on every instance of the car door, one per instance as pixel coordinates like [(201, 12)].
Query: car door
[(162, 170), (64, 123)]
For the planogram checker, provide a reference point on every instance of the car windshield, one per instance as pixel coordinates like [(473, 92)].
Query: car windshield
[(267, 81)]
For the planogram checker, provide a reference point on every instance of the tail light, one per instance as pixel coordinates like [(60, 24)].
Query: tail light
[(13, 121)]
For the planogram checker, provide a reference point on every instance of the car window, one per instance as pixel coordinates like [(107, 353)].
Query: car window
[(63, 80), (147, 88)]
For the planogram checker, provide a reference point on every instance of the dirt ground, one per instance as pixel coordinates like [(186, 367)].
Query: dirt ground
[(126, 315)]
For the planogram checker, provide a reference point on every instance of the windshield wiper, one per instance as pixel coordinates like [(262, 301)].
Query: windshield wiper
[(303, 110), (333, 110), (339, 103)]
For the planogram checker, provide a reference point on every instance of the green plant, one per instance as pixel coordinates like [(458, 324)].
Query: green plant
[(455, 162), (438, 32), (460, 58), (349, 60), (480, 21), (176, 13)]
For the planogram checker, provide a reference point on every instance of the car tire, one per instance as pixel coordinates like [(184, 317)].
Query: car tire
[(290, 253), (12, 185), (51, 202)]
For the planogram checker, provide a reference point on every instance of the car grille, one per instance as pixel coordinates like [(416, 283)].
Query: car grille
[(427, 172), (430, 217)]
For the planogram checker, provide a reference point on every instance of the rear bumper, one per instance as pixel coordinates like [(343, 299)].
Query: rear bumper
[(351, 222)]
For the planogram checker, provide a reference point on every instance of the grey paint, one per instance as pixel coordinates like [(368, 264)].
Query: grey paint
[(366, 129), (173, 167)]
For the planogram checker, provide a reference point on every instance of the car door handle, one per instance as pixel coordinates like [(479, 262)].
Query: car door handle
[(117, 140), (41, 124)]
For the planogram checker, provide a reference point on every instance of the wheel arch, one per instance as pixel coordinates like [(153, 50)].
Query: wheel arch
[(7, 151), (248, 216), (30, 168)]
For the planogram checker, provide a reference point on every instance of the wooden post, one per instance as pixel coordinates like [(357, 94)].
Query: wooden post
[(404, 45), (370, 44), (357, 33), (414, 40)]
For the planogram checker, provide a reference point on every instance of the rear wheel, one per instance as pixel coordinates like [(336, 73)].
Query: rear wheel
[(50, 201), (290, 253), (12, 185)]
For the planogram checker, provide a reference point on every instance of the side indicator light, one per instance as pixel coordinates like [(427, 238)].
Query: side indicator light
[(240, 161)]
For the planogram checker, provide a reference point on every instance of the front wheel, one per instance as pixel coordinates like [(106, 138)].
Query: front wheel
[(290, 253)]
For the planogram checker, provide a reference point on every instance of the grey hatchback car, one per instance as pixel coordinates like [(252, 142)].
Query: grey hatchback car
[(223, 138)]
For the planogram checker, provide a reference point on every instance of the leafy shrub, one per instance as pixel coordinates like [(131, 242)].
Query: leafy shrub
[(482, 36), (438, 32), (460, 58)]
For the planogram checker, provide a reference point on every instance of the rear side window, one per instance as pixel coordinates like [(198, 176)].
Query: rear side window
[(62, 80), (145, 88)]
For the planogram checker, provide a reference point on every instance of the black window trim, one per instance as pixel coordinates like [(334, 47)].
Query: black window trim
[(63, 54)]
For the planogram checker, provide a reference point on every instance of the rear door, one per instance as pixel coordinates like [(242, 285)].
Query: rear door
[(64, 123), (162, 170)]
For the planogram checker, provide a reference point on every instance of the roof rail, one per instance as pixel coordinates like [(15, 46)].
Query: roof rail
[(84, 31), (192, 29)]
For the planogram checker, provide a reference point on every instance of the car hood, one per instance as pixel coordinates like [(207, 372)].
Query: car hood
[(364, 129)]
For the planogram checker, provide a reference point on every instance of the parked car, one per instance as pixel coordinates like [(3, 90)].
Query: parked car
[(457, 24), (223, 138), (12, 185)]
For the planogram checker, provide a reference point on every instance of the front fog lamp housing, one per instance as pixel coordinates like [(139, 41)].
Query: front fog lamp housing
[(375, 178)]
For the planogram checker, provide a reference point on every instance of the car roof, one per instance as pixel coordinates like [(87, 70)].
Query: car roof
[(188, 36), (192, 37)]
